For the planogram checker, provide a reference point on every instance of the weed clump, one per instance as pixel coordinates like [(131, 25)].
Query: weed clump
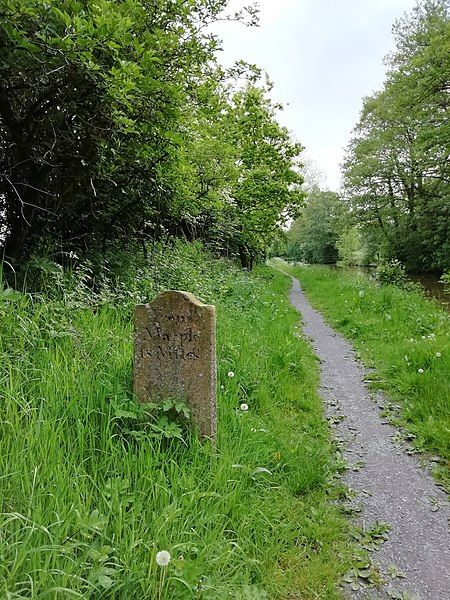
[(391, 273)]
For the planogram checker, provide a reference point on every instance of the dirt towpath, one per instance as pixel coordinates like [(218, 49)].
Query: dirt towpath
[(391, 486)]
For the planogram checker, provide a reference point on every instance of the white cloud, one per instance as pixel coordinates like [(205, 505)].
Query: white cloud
[(272, 10), (323, 57)]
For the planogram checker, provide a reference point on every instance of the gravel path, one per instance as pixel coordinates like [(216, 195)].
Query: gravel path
[(390, 484)]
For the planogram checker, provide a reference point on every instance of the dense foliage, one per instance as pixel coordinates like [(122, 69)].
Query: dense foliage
[(397, 171), (314, 236), (117, 127), (90, 492)]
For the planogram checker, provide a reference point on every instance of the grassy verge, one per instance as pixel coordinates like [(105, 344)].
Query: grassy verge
[(404, 336), (88, 496)]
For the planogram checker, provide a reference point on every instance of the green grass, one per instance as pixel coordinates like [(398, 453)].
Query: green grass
[(85, 504), (404, 336)]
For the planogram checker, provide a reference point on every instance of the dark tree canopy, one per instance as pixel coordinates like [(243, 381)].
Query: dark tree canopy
[(117, 127)]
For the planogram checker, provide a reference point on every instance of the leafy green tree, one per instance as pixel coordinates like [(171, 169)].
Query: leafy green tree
[(91, 98), (314, 235), (207, 164), (397, 170), (349, 247), (241, 168), (267, 192)]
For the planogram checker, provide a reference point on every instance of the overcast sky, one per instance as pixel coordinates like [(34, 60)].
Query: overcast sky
[(323, 56)]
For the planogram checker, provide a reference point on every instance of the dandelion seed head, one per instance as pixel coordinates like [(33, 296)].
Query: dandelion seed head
[(163, 558), (438, 354), (420, 370), (230, 374), (244, 407)]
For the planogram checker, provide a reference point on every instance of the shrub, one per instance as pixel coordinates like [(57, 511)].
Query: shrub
[(445, 280), (392, 273)]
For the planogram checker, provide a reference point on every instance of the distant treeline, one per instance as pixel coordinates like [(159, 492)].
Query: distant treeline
[(119, 128)]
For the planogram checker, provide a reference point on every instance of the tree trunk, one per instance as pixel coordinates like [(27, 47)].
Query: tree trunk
[(245, 258)]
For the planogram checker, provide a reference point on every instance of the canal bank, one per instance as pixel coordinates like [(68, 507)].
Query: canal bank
[(430, 282)]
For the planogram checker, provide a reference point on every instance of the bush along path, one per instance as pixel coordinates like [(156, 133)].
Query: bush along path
[(398, 500)]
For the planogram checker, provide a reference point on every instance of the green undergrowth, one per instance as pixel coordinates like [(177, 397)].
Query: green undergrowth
[(89, 495), (405, 337)]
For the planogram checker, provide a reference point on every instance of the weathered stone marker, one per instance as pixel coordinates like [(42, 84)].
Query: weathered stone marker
[(175, 355)]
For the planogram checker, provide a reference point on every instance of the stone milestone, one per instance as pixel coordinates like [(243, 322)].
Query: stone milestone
[(175, 355)]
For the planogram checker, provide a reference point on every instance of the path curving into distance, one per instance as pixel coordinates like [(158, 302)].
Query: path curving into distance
[(391, 486)]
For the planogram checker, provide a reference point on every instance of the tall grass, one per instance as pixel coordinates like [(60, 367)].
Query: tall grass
[(405, 336), (88, 499)]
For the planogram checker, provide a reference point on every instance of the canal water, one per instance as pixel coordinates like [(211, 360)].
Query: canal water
[(433, 288)]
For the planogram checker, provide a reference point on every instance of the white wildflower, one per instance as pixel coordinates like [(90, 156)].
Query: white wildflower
[(420, 370), (244, 407), (163, 558), (230, 374), (438, 354)]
